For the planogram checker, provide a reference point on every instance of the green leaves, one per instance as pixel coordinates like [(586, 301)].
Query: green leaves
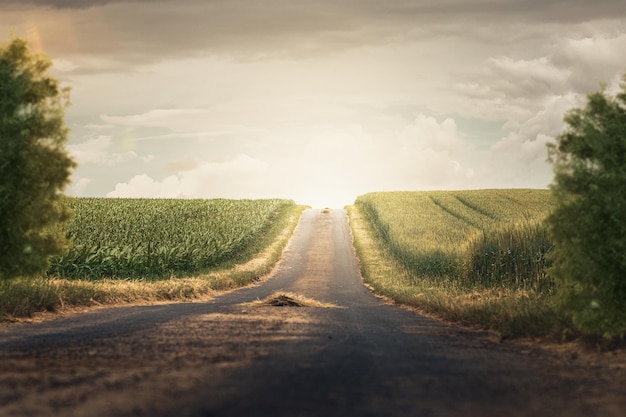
[(150, 238), (34, 165), (588, 226)]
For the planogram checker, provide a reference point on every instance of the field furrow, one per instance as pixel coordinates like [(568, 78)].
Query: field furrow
[(486, 237), (475, 257)]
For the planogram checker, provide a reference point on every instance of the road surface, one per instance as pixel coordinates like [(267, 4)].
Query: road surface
[(230, 356)]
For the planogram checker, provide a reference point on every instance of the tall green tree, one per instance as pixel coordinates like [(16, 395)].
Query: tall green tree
[(34, 164), (588, 226)]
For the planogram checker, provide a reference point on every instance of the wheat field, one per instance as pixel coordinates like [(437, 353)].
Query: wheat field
[(477, 238)]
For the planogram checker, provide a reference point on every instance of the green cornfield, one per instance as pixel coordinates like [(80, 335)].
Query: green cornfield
[(159, 238), (478, 239)]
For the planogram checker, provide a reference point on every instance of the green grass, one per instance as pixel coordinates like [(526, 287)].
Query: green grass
[(474, 257), (24, 297), (156, 238)]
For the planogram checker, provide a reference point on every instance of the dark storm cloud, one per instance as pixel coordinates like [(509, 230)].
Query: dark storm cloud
[(551, 10), (145, 31), (75, 4), (560, 10)]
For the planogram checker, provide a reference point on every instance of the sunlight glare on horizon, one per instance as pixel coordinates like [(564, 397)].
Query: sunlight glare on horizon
[(326, 201), (325, 196), (236, 102)]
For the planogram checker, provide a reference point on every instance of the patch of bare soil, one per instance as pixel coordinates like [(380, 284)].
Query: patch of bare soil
[(289, 299), (283, 300)]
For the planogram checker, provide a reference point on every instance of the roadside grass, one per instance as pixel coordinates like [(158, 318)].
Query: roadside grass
[(513, 312), (23, 297)]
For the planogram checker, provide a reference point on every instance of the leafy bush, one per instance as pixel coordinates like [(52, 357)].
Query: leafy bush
[(34, 165), (588, 226)]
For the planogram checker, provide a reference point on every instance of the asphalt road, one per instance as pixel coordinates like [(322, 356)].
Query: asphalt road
[(227, 357)]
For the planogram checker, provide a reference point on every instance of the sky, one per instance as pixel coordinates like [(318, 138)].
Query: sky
[(318, 101)]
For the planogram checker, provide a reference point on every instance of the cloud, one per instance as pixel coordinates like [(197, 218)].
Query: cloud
[(241, 98), (526, 78), (427, 133), (522, 148), (547, 9), (143, 186), (425, 154), (138, 32), (236, 178), (548, 119), (78, 186), (520, 158), (64, 65), (97, 151), (250, 116), (174, 119), (75, 4), (592, 60), (533, 95), (324, 166), (429, 153), (514, 89)]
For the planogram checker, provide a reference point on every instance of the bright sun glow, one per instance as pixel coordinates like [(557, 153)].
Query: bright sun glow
[(325, 187), (238, 110), (327, 201), (319, 198)]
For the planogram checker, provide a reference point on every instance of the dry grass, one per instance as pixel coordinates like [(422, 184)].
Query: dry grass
[(512, 312), (22, 298), (289, 299)]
